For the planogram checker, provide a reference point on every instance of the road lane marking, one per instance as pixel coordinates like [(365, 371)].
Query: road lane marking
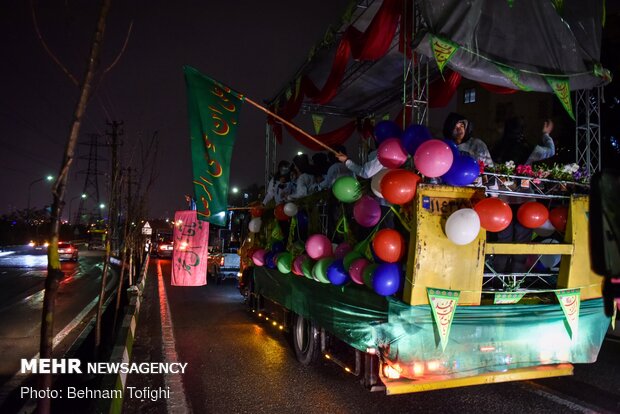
[(18, 378), (178, 400), (547, 393)]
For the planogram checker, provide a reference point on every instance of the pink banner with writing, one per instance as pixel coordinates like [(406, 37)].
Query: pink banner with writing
[(191, 244)]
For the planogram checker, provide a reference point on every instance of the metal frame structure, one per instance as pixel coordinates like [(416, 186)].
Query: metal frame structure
[(588, 129)]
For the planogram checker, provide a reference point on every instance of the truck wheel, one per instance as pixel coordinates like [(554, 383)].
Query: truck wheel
[(306, 340)]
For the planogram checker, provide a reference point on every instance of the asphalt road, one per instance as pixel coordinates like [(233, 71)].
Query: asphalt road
[(238, 364), (22, 278)]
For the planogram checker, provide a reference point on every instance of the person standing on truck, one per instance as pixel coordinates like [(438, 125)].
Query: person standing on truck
[(191, 203), (279, 185), (514, 147), (459, 129)]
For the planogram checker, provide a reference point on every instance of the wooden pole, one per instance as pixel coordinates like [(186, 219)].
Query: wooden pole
[(295, 127)]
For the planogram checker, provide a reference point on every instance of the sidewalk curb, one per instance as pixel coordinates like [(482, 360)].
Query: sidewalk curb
[(123, 347)]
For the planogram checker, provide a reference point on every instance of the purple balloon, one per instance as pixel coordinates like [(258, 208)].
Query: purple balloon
[(391, 153), (367, 211), (464, 171), (342, 249), (414, 136)]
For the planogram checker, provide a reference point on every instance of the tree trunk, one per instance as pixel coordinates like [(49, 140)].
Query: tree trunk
[(54, 274), (120, 283)]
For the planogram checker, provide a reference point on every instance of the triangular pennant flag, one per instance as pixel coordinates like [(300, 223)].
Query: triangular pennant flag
[(317, 121), (513, 75), (570, 300), (297, 86), (385, 117), (442, 50), (443, 304), (507, 298), (561, 88), (288, 93), (291, 233)]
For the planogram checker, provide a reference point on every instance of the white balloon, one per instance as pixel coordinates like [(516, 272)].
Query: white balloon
[(545, 230), (255, 225), (290, 209), (375, 183), (463, 226), (550, 260)]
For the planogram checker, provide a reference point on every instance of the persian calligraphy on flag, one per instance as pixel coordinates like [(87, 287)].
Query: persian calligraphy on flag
[(191, 249)]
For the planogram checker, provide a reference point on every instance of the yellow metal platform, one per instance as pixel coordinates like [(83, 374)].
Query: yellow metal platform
[(403, 386)]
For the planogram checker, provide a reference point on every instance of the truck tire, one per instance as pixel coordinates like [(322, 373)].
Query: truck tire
[(306, 340)]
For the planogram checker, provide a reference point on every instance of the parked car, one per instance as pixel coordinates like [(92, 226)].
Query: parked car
[(67, 251)]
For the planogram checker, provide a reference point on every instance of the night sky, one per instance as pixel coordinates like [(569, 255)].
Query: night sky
[(254, 47)]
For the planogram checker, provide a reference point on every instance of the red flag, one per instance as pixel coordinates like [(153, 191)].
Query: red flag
[(191, 249)]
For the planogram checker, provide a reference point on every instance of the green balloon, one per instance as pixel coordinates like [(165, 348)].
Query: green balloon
[(347, 189), (349, 258), (306, 267), (319, 271), (284, 262), (368, 273)]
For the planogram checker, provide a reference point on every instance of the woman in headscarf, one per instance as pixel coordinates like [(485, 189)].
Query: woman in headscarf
[(305, 183)]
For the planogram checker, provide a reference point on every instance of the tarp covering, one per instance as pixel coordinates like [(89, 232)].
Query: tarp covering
[(482, 338), (537, 38)]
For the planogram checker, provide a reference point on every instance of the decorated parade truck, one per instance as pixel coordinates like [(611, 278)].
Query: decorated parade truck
[(396, 278)]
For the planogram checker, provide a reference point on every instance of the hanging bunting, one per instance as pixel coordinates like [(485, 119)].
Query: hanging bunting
[(317, 121), (443, 304), (562, 90), (513, 76), (288, 93), (385, 117), (443, 51), (507, 298), (601, 72), (570, 302)]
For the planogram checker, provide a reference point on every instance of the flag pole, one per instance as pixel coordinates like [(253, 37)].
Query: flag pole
[(289, 124)]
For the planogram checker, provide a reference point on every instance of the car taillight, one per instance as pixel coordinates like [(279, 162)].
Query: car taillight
[(221, 261), (69, 250)]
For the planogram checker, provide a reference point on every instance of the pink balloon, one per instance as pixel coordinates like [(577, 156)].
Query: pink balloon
[(356, 270), (296, 268), (433, 158), (391, 153), (342, 250), (258, 257), (367, 211), (318, 246)]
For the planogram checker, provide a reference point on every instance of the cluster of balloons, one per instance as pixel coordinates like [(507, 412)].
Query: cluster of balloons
[(340, 265), (495, 215)]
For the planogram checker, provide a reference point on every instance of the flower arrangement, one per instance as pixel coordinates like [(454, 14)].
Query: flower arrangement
[(560, 172)]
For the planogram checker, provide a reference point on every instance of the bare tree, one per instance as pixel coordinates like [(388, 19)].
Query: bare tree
[(54, 272)]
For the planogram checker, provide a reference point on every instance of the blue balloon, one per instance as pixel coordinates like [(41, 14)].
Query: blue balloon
[(336, 273), (464, 171), (387, 129), (270, 261), (386, 279), (413, 136), (277, 247)]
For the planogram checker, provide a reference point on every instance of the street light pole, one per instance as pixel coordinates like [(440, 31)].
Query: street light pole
[(71, 203), (48, 178)]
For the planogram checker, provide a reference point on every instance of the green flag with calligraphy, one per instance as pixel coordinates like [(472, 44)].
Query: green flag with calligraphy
[(213, 120), (443, 304), (561, 88), (443, 50), (570, 301)]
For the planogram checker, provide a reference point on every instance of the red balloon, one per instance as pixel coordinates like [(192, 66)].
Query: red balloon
[(389, 245), (256, 211), (558, 217), (495, 214), (279, 213), (532, 214), (399, 186)]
